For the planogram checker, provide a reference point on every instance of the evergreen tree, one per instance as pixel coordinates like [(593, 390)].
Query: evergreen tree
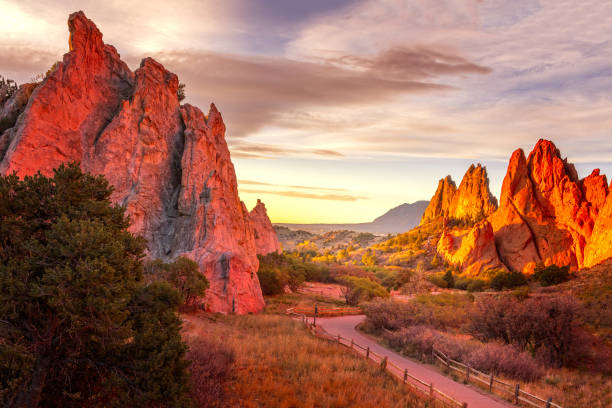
[(72, 303)]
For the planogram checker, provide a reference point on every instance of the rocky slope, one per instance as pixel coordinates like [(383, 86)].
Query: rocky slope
[(546, 214), (169, 164), (266, 240)]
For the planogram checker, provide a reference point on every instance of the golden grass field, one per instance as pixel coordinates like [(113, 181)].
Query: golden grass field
[(278, 363)]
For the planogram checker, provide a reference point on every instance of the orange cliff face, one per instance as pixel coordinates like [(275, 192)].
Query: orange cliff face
[(471, 201), (474, 250), (266, 240), (546, 214), (169, 164), (440, 202)]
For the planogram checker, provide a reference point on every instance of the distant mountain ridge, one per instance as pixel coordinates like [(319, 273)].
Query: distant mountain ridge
[(399, 219)]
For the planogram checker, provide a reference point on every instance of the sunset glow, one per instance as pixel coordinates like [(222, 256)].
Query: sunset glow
[(339, 110)]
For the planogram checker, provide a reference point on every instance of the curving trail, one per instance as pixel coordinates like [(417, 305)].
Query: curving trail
[(345, 327)]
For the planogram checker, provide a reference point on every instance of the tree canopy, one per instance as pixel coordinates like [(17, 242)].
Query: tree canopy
[(77, 325)]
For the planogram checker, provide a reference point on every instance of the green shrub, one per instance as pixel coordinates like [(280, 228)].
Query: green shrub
[(449, 278), (362, 289), (438, 280), (476, 285), (182, 273), (271, 280), (551, 274), (507, 280)]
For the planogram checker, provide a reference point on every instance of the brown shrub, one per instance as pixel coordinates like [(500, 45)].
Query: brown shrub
[(418, 341), (505, 360), (211, 368), (546, 326)]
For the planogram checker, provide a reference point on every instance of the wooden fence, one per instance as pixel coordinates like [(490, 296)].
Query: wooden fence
[(425, 389), (325, 311), (488, 381)]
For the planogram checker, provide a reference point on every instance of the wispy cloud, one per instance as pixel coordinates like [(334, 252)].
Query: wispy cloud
[(300, 194), (259, 150), (311, 188), (256, 91)]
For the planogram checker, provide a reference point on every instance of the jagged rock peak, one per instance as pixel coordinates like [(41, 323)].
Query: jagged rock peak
[(84, 35), (473, 199), (169, 165), (440, 202), (266, 239)]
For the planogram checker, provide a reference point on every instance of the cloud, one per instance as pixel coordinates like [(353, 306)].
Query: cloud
[(259, 150), (416, 63), (299, 194), (260, 183), (256, 91), (22, 63)]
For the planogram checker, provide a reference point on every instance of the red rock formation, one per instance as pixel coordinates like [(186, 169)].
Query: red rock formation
[(169, 164), (474, 251), (473, 200), (266, 240), (470, 202), (441, 200), (546, 214), (599, 245)]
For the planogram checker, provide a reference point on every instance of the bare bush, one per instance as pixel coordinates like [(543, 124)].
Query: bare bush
[(545, 326), (417, 341), (211, 368), (505, 360)]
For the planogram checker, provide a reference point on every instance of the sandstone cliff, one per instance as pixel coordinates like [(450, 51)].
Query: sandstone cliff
[(266, 240), (440, 202), (473, 199), (546, 214), (472, 249), (169, 164), (471, 202)]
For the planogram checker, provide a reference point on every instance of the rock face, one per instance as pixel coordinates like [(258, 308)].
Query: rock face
[(473, 199), (546, 214), (266, 240), (440, 203), (473, 251), (169, 164)]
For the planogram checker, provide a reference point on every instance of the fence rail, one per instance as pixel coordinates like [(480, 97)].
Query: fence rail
[(513, 391), (327, 311), (426, 389)]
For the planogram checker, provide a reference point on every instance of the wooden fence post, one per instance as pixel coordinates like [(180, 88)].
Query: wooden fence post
[(383, 363), (368, 353), (352, 342), (548, 402), (491, 383), (448, 364), (516, 394), (431, 391), (405, 375), (467, 374)]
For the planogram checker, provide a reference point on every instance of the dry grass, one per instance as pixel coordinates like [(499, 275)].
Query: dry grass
[(279, 364), (280, 303)]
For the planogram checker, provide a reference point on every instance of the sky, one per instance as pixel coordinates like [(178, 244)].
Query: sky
[(338, 110)]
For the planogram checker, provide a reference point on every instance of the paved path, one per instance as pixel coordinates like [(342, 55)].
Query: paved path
[(345, 327)]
